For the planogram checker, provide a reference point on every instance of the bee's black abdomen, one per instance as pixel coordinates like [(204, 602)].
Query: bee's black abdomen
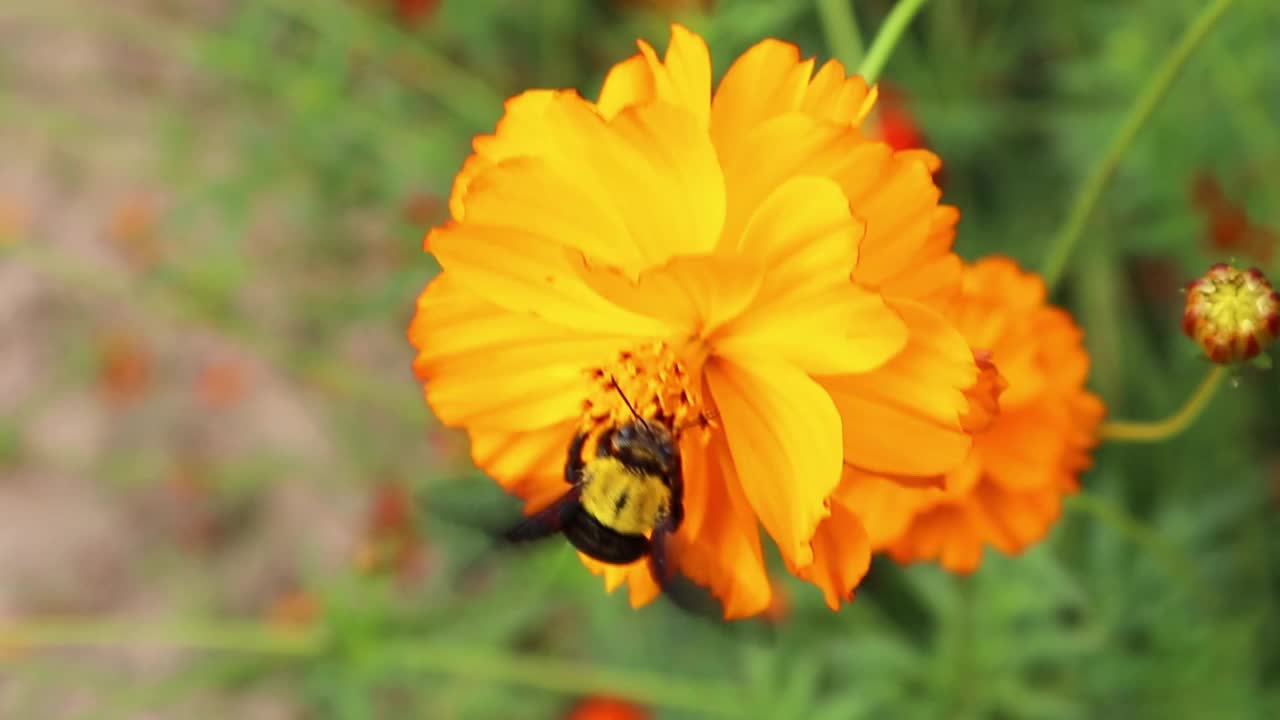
[(608, 546)]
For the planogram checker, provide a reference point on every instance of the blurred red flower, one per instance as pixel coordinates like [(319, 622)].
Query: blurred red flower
[(391, 536), (898, 126), (599, 707), (1228, 228), (415, 12)]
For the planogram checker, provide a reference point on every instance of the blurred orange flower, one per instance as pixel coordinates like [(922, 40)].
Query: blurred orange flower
[(222, 384), (607, 708), (1008, 492), (745, 254), (14, 220), (134, 231), (124, 367), (294, 608)]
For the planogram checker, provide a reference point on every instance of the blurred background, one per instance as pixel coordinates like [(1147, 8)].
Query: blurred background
[(212, 446)]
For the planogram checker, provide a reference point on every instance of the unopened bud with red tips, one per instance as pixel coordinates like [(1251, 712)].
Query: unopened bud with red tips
[(1232, 314)]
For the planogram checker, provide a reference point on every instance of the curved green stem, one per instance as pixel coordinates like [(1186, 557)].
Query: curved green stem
[(1090, 192), (840, 28), (1175, 424), (887, 38)]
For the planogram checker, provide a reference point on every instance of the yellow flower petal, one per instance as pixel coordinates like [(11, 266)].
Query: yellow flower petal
[(534, 197), (527, 274), (694, 294), (769, 79), (720, 541), (836, 97), (784, 434), (494, 368), (932, 274), (804, 234), (641, 587), (520, 132), (919, 395), (628, 83), (587, 174), (808, 313), (528, 464), (885, 508), (652, 164), (785, 147), (907, 249), (842, 330), (682, 77), (841, 556)]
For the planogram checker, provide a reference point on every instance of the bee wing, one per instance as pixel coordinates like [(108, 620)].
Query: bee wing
[(546, 522)]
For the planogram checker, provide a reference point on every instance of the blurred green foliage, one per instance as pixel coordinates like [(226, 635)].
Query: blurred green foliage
[(314, 144)]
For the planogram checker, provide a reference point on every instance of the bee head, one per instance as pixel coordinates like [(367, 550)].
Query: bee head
[(641, 440)]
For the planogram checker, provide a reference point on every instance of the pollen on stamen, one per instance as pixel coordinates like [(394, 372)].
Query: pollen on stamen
[(654, 379)]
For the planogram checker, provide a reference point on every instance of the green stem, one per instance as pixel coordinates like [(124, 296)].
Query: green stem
[(840, 28), (965, 687), (1173, 425), (1090, 192), (461, 660), (221, 636), (572, 678), (887, 38)]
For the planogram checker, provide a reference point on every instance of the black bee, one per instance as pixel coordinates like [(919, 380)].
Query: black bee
[(623, 503)]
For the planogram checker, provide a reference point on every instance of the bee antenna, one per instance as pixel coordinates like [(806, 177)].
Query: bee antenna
[(625, 401)]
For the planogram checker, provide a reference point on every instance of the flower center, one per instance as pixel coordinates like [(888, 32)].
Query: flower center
[(658, 381)]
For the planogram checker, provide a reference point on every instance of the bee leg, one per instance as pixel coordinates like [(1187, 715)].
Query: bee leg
[(574, 464), (546, 522), (680, 591), (661, 563)]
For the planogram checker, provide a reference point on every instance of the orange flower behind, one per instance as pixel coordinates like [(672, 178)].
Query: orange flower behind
[(1008, 492), (739, 251)]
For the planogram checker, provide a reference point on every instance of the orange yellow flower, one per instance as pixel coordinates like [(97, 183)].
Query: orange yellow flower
[(1008, 492), (745, 254), (1232, 315)]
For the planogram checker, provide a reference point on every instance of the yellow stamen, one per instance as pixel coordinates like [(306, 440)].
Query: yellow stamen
[(662, 383)]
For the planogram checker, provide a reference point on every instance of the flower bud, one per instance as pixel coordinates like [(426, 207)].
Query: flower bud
[(1232, 314)]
